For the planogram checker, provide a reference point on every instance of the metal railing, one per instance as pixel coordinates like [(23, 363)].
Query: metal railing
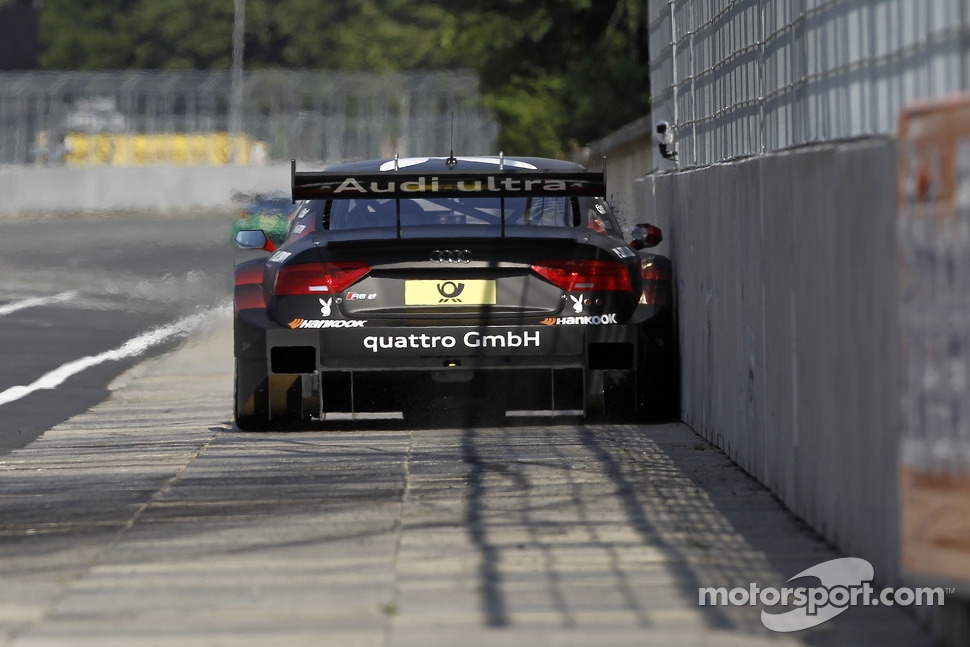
[(47, 117), (744, 77)]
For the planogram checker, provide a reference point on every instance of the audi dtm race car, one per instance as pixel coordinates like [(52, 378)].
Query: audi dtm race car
[(481, 285)]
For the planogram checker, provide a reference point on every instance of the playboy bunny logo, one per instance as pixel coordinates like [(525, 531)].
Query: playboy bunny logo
[(325, 307), (577, 304)]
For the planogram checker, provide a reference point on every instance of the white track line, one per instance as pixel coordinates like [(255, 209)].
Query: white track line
[(36, 301), (131, 348)]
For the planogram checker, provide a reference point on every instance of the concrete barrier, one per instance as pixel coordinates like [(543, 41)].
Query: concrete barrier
[(786, 288), (786, 274), (25, 190)]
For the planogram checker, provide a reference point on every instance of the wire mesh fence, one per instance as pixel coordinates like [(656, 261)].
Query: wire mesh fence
[(743, 77), (148, 117)]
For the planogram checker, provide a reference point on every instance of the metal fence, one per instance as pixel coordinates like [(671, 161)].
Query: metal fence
[(744, 77), (46, 117)]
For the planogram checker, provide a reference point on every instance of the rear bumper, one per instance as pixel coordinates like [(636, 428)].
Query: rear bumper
[(451, 347), (555, 365)]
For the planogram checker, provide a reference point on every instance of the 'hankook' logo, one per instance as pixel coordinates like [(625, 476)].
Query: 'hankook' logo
[(451, 256)]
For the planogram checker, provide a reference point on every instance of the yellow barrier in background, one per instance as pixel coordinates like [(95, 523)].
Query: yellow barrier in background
[(181, 149)]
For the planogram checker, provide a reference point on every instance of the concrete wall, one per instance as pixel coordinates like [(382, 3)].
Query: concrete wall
[(25, 189), (788, 322)]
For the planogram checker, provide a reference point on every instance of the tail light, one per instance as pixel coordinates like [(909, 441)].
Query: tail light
[(656, 282), (249, 275), (248, 292), (319, 278), (583, 275)]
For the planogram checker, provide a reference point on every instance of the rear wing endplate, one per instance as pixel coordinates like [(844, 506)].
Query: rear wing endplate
[(328, 185)]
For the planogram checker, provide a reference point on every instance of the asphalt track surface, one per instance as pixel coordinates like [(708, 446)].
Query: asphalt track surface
[(138, 515), (76, 287)]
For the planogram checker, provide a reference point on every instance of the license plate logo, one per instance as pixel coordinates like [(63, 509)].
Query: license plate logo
[(450, 292)]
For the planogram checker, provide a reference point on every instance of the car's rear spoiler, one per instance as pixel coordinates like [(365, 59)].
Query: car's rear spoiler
[(444, 184)]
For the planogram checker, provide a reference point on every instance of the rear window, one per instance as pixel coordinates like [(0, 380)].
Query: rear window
[(423, 212), (367, 213)]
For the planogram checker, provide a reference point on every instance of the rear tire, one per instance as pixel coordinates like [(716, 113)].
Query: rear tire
[(256, 416), (658, 374), (251, 423), (611, 397)]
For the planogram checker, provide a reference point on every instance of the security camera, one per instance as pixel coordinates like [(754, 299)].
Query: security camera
[(665, 140)]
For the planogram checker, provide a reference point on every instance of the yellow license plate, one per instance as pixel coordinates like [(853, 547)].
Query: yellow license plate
[(449, 293)]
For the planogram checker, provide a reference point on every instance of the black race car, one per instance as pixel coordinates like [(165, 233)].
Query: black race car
[(474, 285)]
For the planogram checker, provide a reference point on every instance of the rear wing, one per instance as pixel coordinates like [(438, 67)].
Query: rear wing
[(328, 185)]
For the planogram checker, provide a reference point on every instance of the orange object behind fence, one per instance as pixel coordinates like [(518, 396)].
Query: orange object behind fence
[(933, 251)]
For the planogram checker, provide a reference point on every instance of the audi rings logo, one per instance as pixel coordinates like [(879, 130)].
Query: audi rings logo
[(451, 256)]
